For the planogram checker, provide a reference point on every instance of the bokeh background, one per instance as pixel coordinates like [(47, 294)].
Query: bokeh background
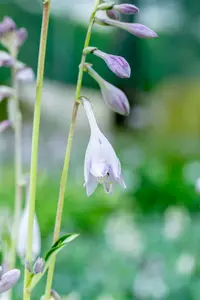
[(143, 242)]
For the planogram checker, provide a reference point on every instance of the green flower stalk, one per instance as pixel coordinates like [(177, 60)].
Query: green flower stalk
[(35, 140)]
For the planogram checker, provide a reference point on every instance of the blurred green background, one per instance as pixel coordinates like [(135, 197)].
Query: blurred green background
[(144, 242)]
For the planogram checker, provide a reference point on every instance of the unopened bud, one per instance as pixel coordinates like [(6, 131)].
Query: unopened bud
[(115, 63), (21, 35), (8, 280), (127, 9), (112, 14), (136, 29), (39, 265), (114, 97)]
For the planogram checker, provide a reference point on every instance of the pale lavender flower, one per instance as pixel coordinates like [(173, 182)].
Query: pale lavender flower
[(136, 29), (5, 59), (8, 280), (4, 125), (127, 9), (113, 96), (24, 73), (101, 162), (115, 63), (5, 92), (11, 37), (111, 13)]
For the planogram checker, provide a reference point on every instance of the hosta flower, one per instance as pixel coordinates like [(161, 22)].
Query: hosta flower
[(115, 63), (11, 37), (114, 97), (3, 125), (8, 280), (101, 163), (39, 265), (136, 29), (23, 234), (127, 9)]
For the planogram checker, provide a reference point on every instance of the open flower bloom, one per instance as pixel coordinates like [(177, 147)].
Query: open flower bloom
[(101, 162), (8, 280), (115, 63), (136, 29), (23, 234), (114, 97), (11, 37)]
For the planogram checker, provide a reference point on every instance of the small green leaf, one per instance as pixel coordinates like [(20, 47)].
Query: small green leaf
[(57, 246)]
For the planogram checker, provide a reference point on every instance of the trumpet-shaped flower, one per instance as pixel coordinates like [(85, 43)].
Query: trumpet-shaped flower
[(8, 280), (136, 29), (114, 97), (101, 162), (115, 63)]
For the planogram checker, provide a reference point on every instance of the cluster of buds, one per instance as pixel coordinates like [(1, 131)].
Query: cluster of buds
[(12, 38), (101, 162)]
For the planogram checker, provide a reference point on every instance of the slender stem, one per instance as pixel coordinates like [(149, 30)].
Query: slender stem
[(35, 139), (65, 170), (18, 170)]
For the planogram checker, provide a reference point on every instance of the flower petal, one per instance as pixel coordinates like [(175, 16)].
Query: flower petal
[(91, 185)]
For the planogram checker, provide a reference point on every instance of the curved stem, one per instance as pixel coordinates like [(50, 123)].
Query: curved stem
[(35, 139), (64, 175)]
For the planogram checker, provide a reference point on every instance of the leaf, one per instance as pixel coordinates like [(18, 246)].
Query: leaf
[(59, 244), (57, 247)]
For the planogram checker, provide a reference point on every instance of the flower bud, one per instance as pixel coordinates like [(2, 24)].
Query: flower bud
[(115, 63), (112, 14), (7, 26), (127, 9), (23, 236), (39, 265), (136, 29), (22, 35), (114, 97), (4, 125), (8, 280), (54, 296), (5, 59)]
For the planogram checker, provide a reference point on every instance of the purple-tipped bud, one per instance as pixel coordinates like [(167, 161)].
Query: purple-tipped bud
[(8, 280), (5, 92), (136, 29), (7, 26), (127, 9), (39, 265), (115, 63), (5, 59), (25, 74), (22, 35), (114, 97), (4, 125), (112, 14)]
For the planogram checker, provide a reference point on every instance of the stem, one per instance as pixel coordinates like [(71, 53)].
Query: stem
[(65, 170), (18, 170), (35, 139)]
